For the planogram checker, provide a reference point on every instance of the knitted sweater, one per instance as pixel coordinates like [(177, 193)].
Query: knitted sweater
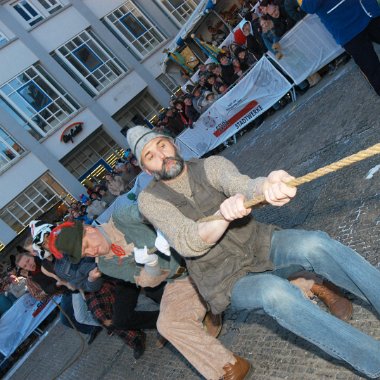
[(181, 232)]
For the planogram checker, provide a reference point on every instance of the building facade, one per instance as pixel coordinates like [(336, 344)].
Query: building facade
[(74, 75)]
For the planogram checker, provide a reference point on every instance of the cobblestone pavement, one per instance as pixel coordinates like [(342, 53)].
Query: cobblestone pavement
[(336, 118)]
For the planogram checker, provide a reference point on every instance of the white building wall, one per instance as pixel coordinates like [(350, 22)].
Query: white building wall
[(61, 149), (6, 31), (153, 62), (19, 176), (122, 92), (57, 30), (14, 58), (101, 7)]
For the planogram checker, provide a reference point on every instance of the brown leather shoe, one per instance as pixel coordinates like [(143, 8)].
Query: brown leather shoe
[(331, 296), (213, 324), (237, 371)]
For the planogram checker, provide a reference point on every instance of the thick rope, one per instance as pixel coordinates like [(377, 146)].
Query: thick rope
[(335, 166)]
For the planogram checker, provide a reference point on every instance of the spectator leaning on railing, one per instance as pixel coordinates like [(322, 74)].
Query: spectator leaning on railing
[(263, 25)]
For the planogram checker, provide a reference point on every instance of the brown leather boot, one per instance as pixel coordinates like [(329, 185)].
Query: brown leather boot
[(213, 324), (331, 296), (237, 371)]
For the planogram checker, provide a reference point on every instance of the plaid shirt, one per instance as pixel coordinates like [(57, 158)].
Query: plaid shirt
[(100, 304)]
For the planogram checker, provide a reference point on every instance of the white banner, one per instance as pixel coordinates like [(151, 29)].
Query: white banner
[(185, 151), (21, 320), (306, 48), (262, 87)]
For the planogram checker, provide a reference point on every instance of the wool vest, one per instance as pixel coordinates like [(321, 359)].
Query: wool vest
[(243, 248)]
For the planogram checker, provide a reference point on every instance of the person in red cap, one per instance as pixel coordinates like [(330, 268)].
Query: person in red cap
[(244, 36), (121, 248)]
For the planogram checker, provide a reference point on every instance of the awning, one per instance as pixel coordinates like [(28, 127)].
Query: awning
[(204, 7), (199, 13)]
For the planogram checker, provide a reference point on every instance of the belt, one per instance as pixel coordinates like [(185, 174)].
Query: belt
[(179, 272)]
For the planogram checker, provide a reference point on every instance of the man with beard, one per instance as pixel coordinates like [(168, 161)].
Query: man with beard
[(236, 260)]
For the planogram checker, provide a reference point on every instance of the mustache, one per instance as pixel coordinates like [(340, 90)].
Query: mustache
[(167, 159), (171, 172)]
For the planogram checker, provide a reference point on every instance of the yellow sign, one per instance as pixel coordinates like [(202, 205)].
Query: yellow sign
[(190, 58)]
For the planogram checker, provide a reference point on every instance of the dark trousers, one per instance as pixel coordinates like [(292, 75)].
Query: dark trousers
[(255, 46), (362, 51), (124, 314)]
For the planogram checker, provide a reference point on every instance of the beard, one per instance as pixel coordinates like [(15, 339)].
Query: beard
[(173, 171)]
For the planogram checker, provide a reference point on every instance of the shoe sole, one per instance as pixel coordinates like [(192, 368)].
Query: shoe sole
[(348, 316), (250, 372)]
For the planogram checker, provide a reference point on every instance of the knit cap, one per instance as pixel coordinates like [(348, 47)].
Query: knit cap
[(139, 136), (67, 239)]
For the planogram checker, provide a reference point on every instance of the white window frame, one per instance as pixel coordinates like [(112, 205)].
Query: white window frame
[(37, 185), (78, 167), (52, 5), (125, 117), (16, 153), (54, 120), (104, 69), (168, 82), (181, 13), (3, 39), (34, 19), (141, 45), (42, 8)]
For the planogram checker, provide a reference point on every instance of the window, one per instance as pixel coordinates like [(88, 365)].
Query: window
[(37, 101), (50, 6), (34, 201), (9, 149), (87, 57), (98, 147), (89, 62), (180, 10), (34, 12), (168, 82), (144, 107), (134, 29), (3, 39), (28, 12)]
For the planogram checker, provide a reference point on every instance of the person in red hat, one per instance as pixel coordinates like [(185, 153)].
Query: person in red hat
[(244, 36)]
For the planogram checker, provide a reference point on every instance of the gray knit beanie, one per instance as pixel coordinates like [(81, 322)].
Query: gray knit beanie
[(139, 136)]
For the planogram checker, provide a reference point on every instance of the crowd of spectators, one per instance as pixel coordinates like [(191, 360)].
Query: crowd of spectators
[(12, 287), (101, 194), (260, 29)]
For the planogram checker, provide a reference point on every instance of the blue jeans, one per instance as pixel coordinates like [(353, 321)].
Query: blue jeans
[(67, 306), (315, 251)]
